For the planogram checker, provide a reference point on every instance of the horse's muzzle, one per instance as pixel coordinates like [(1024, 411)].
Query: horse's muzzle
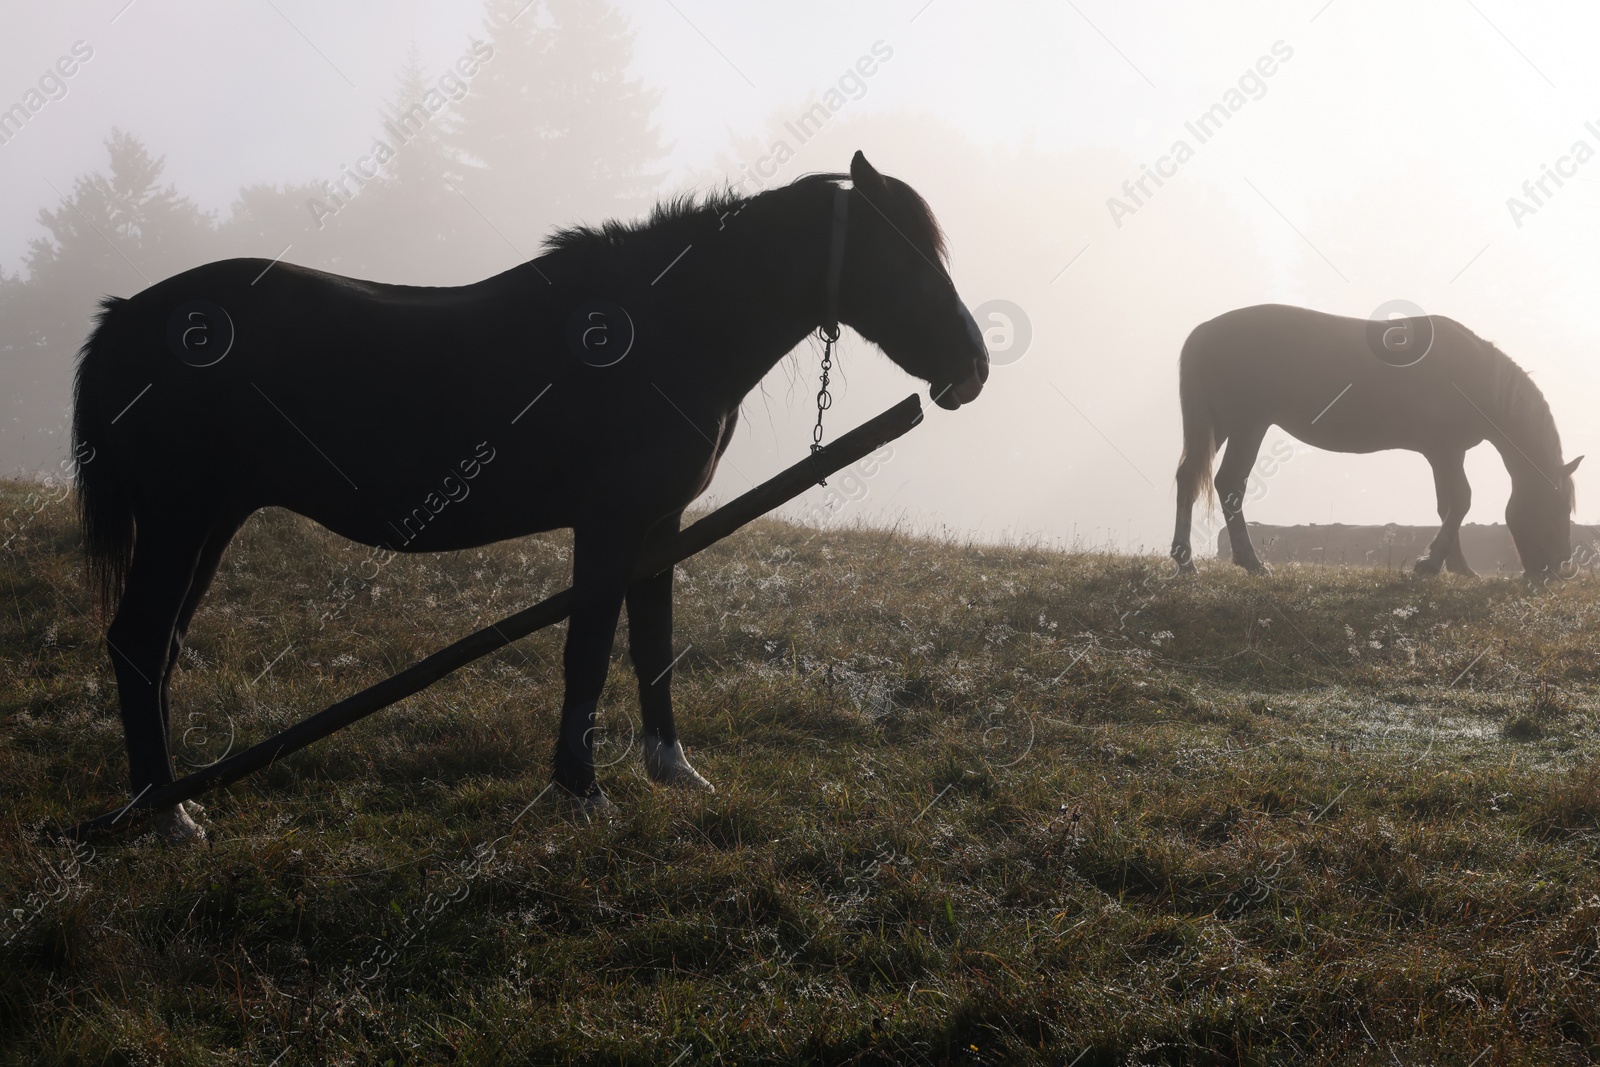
[(954, 395)]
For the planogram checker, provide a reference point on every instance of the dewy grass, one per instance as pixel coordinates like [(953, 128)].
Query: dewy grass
[(975, 805)]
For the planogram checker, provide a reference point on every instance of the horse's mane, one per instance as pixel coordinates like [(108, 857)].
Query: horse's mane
[(1524, 414), (666, 213), (669, 213)]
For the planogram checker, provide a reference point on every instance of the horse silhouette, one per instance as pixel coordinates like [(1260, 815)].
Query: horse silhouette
[(595, 387), (1424, 383)]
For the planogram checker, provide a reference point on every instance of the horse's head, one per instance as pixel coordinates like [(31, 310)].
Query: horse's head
[(896, 292), (1539, 516)]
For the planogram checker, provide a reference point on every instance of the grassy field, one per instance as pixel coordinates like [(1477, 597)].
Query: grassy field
[(974, 805)]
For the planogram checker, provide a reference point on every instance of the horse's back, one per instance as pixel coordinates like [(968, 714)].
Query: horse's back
[(271, 383), (1329, 380), (1281, 339)]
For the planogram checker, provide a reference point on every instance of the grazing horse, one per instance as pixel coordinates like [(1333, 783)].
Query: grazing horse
[(1423, 383), (595, 387)]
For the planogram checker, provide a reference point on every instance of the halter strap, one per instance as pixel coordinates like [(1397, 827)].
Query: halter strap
[(841, 219), (829, 330)]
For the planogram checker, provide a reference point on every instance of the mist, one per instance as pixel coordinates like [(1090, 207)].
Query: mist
[(514, 731), (1336, 155)]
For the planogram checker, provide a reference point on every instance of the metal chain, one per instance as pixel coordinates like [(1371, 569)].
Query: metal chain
[(824, 398)]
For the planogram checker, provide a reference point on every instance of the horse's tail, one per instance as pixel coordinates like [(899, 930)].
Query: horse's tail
[(105, 512), (1199, 431)]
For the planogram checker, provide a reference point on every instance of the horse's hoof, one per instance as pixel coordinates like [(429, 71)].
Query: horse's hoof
[(585, 809), (1427, 565), (1187, 568), (1255, 566), (176, 826), (594, 806), (1461, 569), (667, 765)]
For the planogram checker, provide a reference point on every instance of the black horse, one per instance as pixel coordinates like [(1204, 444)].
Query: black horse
[(595, 388)]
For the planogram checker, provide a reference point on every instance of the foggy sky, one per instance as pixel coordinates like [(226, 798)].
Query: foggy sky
[(1374, 163)]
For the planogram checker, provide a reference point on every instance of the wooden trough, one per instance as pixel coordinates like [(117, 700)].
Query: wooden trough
[(770, 494)]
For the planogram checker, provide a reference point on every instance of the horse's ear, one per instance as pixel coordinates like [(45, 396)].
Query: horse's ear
[(864, 174), (1570, 467)]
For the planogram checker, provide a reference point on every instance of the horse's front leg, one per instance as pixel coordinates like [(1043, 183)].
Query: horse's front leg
[(1455, 500), (650, 644), (602, 563)]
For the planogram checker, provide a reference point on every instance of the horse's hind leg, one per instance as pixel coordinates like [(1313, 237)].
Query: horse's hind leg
[(1182, 552), (650, 644), (1233, 477), (1191, 477), (1455, 499), (176, 823), (141, 640), (1193, 472), (205, 570)]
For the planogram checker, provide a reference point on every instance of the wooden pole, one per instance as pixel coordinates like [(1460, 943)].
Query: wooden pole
[(770, 494)]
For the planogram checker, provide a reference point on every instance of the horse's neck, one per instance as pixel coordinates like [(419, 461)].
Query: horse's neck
[(769, 278), (1526, 437)]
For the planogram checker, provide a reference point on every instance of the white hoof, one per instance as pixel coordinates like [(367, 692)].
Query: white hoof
[(176, 826), (589, 808), (667, 765)]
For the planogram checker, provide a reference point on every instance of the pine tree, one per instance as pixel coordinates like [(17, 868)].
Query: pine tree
[(117, 233), (409, 224), (267, 221), (555, 130)]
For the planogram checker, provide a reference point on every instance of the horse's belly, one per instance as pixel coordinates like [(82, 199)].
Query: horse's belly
[(1363, 419), (1358, 442), (450, 513)]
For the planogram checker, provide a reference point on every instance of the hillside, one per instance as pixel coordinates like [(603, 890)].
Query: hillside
[(974, 805), (1488, 547)]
